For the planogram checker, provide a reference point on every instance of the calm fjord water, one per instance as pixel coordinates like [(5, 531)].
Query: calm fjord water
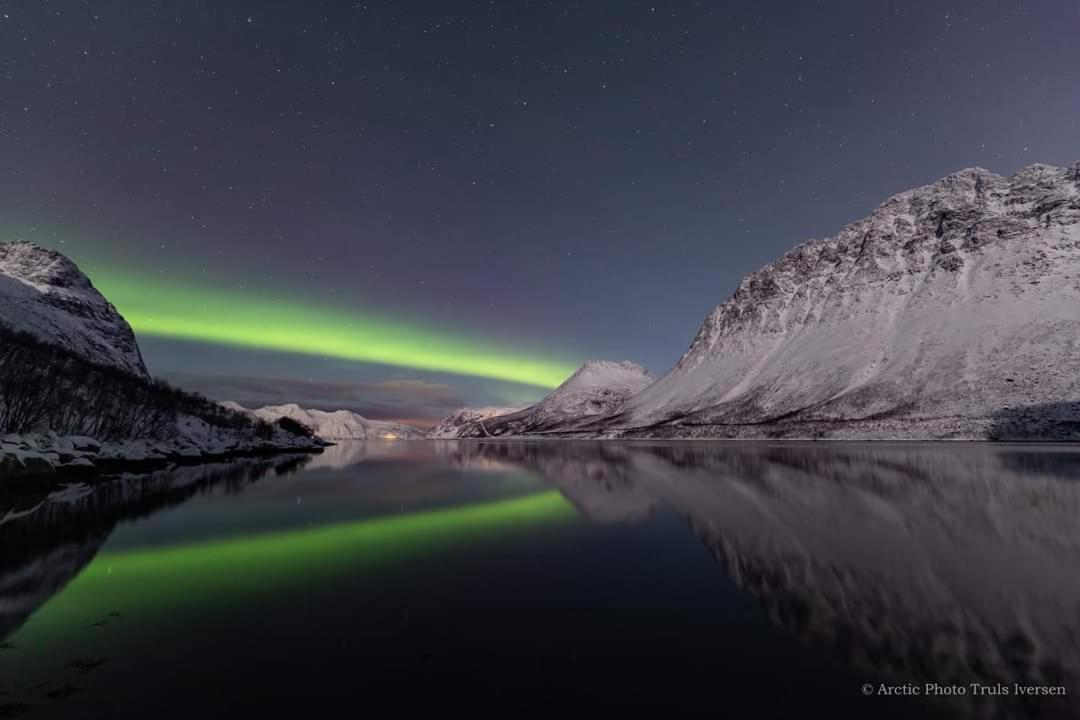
[(785, 577)]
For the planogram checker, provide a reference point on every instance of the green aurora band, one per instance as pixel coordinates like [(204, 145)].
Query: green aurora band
[(185, 311), (157, 583)]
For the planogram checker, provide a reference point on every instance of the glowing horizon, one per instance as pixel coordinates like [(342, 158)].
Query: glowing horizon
[(187, 311)]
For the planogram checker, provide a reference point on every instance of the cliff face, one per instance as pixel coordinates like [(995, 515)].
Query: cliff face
[(953, 310), (45, 294)]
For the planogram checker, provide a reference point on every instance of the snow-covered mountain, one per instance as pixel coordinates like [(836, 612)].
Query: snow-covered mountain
[(467, 419), (337, 425), (45, 294), (598, 389), (953, 310)]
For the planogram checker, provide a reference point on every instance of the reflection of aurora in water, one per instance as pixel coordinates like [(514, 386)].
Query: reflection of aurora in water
[(190, 312), (190, 578)]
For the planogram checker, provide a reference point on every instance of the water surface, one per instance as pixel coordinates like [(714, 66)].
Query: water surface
[(777, 578)]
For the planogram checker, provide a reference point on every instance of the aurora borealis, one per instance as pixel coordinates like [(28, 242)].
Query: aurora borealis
[(189, 312)]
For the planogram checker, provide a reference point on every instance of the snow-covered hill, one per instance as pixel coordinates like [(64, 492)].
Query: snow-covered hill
[(337, 425), (598, 389), (45, 294), (953, 310), (466, 420)]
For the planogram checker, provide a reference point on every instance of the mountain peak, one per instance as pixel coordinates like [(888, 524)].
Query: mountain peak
[(40, 266), (604, 373), (598, 389), (1036, 169), (44, 293)]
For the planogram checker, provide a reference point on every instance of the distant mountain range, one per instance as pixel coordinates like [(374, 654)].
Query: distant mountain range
[(951, 312), (336, 425)]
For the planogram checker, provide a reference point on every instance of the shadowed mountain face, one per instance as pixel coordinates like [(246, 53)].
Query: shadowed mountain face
[(950, 565), (1035, 422)]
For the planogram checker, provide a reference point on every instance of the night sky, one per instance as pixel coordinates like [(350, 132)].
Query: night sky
[(402, 207)]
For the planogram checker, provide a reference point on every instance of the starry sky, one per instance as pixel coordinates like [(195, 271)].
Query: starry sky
[(404, 207)]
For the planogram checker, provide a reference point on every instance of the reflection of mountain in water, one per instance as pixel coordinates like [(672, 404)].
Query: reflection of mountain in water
[(48, 539), (595, 477), (952, 565), (346, 453)]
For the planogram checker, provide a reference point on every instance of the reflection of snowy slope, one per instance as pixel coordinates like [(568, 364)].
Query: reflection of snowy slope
[(920, 564), (43, 293), (599, 479), (25, 587)]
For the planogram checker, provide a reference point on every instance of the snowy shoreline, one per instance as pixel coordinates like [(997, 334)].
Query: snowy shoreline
[(48, 454)]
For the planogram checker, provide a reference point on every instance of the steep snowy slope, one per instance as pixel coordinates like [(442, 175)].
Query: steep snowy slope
[(45, 294), (951, 311), (597, 389), (337, 425)]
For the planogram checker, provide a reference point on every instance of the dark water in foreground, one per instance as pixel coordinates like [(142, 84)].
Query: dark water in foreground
[(771, 579)]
